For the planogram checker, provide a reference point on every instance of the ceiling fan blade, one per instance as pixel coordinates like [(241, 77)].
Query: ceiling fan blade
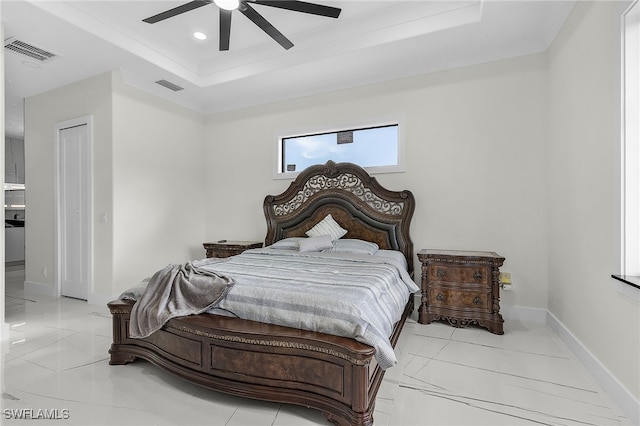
[(225, 29), (177, 11), (259, 20), (301, 6)]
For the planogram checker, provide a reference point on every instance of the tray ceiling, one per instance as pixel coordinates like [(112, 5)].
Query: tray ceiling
[(371, 41)]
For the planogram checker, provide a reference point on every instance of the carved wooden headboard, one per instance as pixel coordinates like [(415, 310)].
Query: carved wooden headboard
[(355, 200)]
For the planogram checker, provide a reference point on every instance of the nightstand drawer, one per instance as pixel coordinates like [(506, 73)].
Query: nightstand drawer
[(460, 299), (461, 275)]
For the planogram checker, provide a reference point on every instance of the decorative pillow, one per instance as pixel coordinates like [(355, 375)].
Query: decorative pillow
[(354, 246), (320, 243), (287, 243), (327, 226), (134, 293)]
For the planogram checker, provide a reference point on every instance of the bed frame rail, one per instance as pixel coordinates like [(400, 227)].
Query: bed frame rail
[(333, 374)]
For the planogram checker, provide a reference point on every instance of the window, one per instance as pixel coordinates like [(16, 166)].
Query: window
[(377, 148), (631, 144)]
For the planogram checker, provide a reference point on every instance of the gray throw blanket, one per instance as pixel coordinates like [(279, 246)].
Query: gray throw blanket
[(176, 290)]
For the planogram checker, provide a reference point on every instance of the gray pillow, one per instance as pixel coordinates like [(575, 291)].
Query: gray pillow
[(354, 246), (287, 243), (323, 242), (134, 293)]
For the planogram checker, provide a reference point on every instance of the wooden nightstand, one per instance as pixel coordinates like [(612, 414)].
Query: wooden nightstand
[(462, 287), (229, 248)]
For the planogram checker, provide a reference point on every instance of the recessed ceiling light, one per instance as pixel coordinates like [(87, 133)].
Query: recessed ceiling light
[(199, 35)]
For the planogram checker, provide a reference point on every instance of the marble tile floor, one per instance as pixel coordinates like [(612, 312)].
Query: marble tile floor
[(56, 359)]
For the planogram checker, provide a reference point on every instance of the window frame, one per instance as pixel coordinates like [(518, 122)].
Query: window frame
[(393, 120), (629, 151)]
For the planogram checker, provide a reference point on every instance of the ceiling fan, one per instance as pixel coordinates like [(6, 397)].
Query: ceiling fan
[(227, 6)]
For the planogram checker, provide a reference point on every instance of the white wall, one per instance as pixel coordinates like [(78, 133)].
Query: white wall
[(88, 97), (158, 184), (147, 183), (584, 205), (476, 155)]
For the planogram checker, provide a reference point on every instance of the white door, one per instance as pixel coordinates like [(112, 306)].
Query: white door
[(74, 226)]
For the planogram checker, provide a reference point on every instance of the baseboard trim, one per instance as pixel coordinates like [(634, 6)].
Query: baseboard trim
[(609, 383), (47, 290), (521, 313), (39, 288)]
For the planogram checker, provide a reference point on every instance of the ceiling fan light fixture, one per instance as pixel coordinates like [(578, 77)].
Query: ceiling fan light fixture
[(227, 4)]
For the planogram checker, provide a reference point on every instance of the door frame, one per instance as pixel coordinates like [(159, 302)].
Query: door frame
[(86, 120)]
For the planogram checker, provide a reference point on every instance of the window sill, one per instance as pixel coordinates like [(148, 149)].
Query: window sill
[(632, 280), (628, 285)]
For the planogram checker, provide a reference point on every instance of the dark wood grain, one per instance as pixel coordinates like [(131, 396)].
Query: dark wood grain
[(461, 287), (229, 248)]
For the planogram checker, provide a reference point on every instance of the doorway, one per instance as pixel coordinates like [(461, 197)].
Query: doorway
[(74, 236)]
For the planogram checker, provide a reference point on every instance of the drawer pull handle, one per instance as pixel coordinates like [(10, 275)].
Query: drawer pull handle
[(477, 276), (441, 273), (440, 297), (477, 301)]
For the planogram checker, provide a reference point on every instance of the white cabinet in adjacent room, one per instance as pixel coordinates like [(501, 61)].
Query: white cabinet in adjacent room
[(14, 160), (14, 244)]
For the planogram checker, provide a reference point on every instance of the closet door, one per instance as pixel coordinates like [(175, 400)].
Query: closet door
[(74, 234)]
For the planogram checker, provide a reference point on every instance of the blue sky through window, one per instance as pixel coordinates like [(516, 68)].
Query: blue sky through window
[(371, 147)]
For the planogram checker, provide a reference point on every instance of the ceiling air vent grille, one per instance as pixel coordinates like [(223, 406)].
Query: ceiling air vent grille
[(28, 50), (169, 85)]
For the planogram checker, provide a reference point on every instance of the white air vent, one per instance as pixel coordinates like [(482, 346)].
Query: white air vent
[(27, 49), (169, 85)]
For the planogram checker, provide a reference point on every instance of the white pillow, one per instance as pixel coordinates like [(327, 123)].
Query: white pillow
[(320, 243), (287, 243), (327, 226), (354, 246)]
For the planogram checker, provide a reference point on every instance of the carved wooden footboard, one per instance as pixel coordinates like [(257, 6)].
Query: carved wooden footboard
[(335, 375)]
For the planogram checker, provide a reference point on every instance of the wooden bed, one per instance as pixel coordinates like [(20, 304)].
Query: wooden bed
[(336, 375)]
